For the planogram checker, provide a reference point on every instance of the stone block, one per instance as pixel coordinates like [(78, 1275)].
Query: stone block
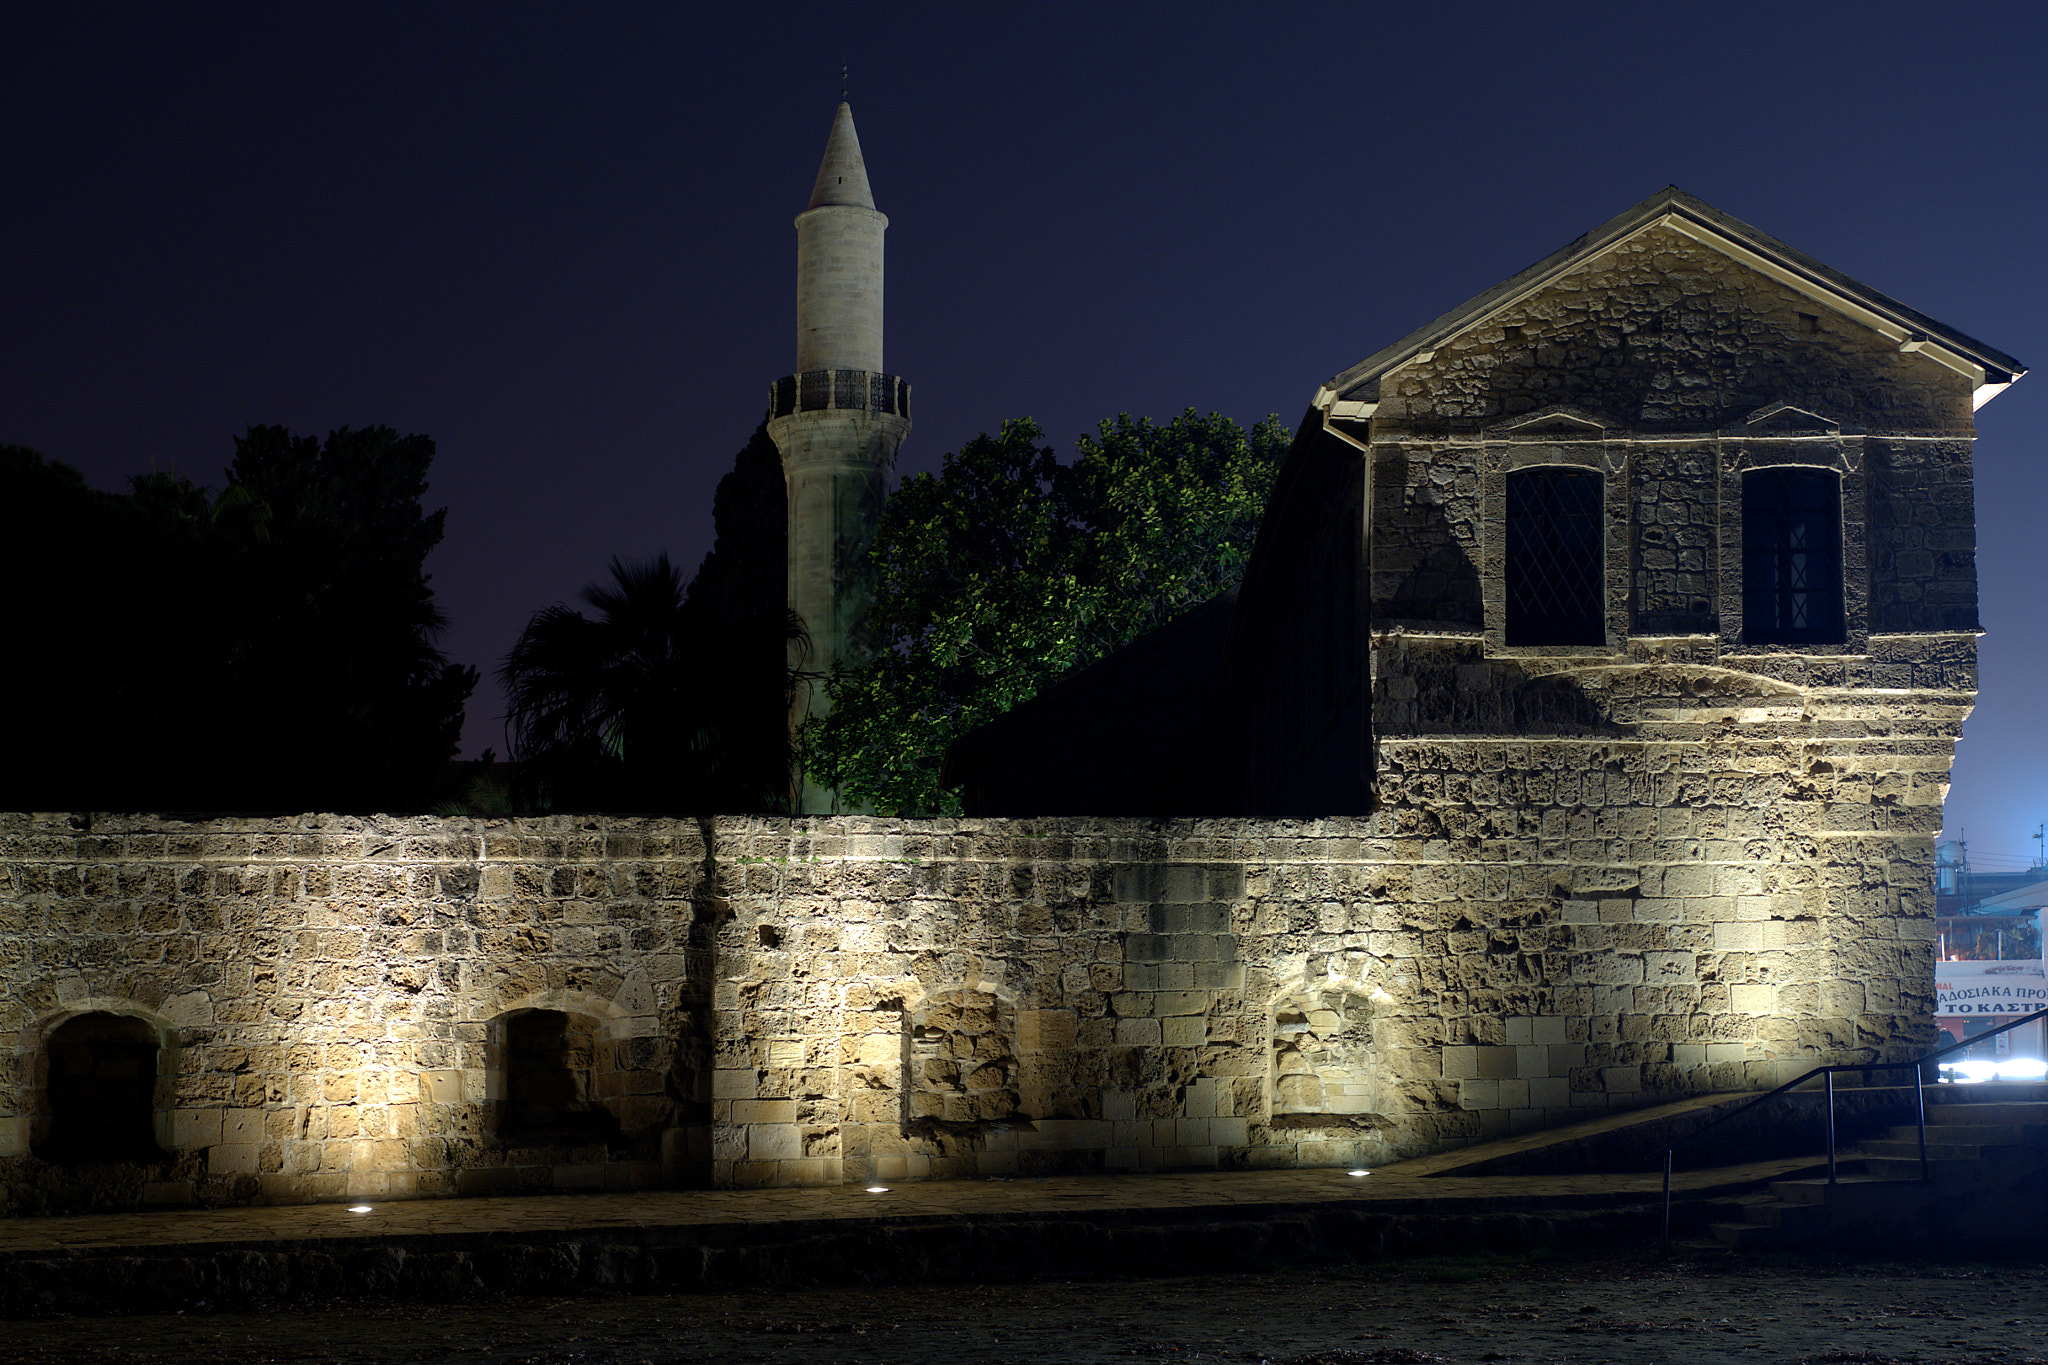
[(749, 1112), (1753, 998), (1137, 1033), (242, 1126), (1664, 968), (1183, 1031), (194, 1129), (1738, 937), (742, 1083), (232, 1158)]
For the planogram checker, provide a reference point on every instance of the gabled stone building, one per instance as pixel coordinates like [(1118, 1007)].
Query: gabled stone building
[(1577, 739)]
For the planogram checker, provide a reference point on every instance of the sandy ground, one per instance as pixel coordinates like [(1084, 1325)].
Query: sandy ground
[(1721, 1309)]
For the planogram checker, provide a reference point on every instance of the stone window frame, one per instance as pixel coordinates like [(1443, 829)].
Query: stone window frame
[(1820, 559), (1506, 452), (1824, 444)]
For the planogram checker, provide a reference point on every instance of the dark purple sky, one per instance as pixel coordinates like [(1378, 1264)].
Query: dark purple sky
[(557, 239)]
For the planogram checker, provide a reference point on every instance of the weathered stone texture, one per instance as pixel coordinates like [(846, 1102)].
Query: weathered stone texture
[(1525, 931), (1664, 333)]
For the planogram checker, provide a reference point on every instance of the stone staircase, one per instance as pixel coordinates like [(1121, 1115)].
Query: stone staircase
[(1987, 1150)]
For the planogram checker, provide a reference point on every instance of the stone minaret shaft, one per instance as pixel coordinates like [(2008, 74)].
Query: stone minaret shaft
[(838, 420)]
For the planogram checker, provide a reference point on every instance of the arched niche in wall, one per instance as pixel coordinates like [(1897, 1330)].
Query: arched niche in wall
[(557, 1068), (1325, 1056), (102, 1090), (961, 1063)]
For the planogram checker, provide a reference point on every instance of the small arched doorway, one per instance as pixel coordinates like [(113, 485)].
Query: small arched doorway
[(554, 1065), (100, 1081)]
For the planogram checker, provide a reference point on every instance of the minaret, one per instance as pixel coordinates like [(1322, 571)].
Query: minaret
[(838, 420)]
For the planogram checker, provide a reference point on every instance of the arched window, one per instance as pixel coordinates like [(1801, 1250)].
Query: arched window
[(1555, 567), (101, 1090), (1792, 556)]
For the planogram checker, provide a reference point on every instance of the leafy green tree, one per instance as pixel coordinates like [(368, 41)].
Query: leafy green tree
[(644, 705), (1009, 568)]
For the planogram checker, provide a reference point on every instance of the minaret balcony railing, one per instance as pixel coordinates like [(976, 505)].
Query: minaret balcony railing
[(842, 390)]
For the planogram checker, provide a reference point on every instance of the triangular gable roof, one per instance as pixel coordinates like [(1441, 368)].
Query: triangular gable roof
[(1355, 392)]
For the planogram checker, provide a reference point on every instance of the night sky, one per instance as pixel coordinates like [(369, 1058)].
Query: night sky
[(558, 239)]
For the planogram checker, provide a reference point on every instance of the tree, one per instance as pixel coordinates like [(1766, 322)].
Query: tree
[(645, 704), (269, 648), (1008, 569), (333, 657)]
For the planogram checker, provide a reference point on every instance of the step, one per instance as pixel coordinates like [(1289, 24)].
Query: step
[(1958, 1110), (1909, 1147), (1747, 1236), (2015, 1134), (1850, 1185), (1794, 1220)]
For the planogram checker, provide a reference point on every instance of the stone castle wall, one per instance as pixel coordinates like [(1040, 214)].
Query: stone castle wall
[(758, 1001)]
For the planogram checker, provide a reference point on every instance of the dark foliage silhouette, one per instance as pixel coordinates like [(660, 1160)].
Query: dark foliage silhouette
[(268, 648)]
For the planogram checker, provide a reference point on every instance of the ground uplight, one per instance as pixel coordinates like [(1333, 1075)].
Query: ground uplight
[(358, 1208)]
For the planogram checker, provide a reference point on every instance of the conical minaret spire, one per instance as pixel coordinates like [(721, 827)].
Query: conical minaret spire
[(838, 420), (843, 175)]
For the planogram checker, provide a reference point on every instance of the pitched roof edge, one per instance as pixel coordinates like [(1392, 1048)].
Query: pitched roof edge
[(1912, 329)]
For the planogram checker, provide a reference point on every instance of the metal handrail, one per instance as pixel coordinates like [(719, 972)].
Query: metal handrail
[(1827, 1073)]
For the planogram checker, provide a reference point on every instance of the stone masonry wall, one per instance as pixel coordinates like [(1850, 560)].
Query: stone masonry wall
[(796, 1002)]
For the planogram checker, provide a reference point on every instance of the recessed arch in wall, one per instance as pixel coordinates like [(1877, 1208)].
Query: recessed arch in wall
[(1325, 1053), (560, 1066), (101, 1078), (961, 1059)]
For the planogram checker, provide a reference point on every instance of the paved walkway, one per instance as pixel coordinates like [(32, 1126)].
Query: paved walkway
[(1407, 1187)]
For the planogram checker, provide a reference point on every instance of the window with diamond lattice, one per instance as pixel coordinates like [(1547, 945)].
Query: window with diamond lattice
[(1792, 556), (1556, 577)]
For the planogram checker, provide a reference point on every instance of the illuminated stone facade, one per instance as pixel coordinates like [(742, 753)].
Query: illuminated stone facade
[(1628, 612)]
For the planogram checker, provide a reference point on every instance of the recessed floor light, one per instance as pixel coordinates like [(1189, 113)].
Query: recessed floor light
[(878, 1189), (1358, 1172), (358, 1208)]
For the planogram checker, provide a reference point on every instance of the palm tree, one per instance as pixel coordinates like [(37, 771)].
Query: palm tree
[(654, 703)]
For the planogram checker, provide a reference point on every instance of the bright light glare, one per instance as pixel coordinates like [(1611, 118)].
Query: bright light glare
[(878, 1189), (2022, 1069), (358, 1208), (1970, 1073), (1358, 1172)]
